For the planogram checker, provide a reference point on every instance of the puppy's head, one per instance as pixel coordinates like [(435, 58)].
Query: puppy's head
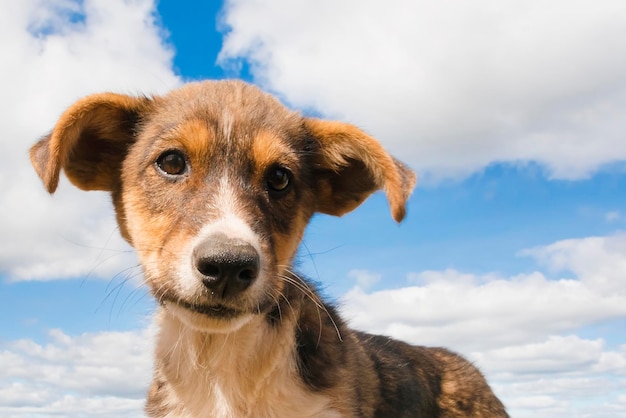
[(214, 184)]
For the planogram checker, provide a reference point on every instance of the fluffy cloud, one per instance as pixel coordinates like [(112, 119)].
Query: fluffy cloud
[(598, 261), (53, 53), (523, 331), (463, 313), (451, 88), (99, 374)]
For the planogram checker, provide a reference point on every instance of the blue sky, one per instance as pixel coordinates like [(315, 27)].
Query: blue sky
[(513, 252)]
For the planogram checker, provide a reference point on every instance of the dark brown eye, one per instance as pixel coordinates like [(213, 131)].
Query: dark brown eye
[(278, 179), (172, 163)]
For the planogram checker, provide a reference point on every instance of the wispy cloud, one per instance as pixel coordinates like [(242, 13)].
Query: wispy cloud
[(364, 279), (613, 216)]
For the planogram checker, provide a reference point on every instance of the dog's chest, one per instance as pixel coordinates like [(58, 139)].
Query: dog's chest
[(241, 375), (277, 404), (226, 396)]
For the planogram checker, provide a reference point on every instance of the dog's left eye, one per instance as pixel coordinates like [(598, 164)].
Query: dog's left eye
[(172, 163), (278, 179)]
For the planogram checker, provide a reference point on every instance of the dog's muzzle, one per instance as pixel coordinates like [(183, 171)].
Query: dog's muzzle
[(226, 266)]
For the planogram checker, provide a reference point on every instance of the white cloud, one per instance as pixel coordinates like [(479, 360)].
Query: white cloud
[(53, 53), (523, 331), (598, 261), (483, 313), (556, 354), (96, 374), (450, 87)]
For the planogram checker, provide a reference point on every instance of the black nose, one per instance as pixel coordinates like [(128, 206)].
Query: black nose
[(226, 266)]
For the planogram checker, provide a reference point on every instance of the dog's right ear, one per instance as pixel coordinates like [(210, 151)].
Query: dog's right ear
[(89, 142), (351, 165)]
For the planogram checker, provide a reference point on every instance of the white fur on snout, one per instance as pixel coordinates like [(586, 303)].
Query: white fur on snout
[(228, 223)]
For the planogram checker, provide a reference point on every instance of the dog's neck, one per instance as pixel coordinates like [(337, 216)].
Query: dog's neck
[(251, 371)]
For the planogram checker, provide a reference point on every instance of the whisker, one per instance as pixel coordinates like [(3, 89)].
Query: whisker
[(308, 292)]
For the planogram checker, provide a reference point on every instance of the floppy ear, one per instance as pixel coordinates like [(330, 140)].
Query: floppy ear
[(89, 142), (352, 165)]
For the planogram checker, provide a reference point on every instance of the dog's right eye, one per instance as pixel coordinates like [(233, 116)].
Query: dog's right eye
[(278, 180), (172, 163)]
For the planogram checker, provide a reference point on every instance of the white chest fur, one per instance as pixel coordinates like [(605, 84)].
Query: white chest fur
[(250, 372)]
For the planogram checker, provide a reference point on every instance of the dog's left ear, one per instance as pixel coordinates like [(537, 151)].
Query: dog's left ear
[(352, 165), (89, 142)]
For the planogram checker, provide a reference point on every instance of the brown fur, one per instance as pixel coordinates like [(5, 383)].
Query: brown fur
[(248, 174)]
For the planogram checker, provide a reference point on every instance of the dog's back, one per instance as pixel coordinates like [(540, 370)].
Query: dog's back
[(427, 382)]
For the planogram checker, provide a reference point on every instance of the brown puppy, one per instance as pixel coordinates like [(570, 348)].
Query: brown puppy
[(214, 184)]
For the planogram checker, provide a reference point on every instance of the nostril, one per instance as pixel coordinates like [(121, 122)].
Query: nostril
[(208, 268), (247, 274)]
